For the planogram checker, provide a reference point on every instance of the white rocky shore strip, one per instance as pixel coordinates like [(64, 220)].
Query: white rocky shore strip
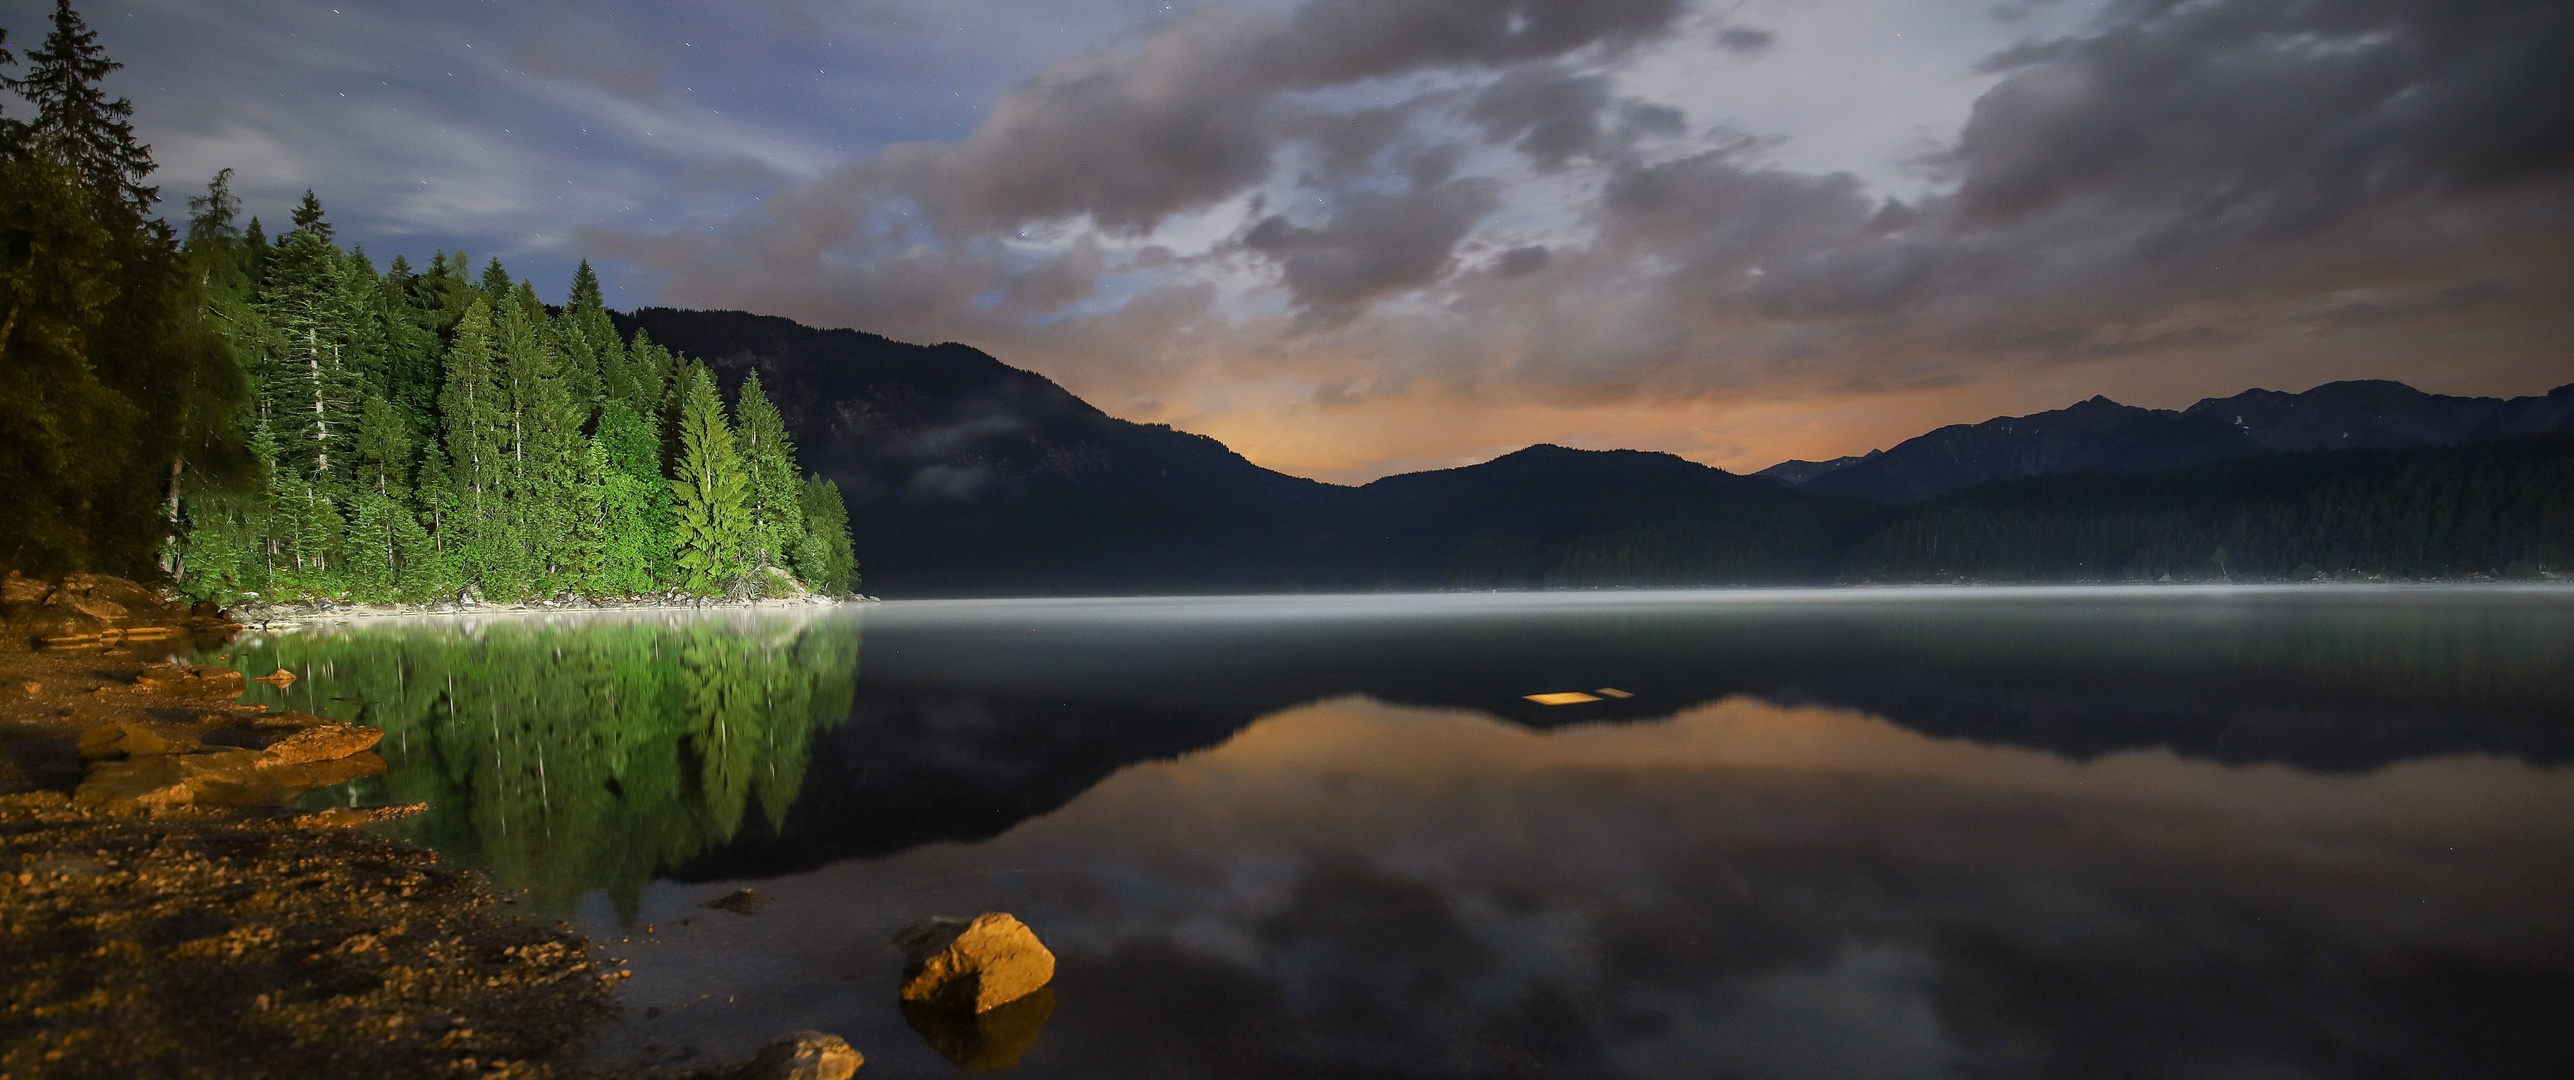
[(255, 614)]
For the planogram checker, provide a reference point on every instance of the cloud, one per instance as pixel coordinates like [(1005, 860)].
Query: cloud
[(1745, 41), (1247, 216), (1374, 244)]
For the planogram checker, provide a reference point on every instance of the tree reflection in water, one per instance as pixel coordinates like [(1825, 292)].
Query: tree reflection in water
[(562, 754)]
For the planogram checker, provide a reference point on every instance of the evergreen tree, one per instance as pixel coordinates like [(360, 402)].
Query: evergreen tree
[(630, 540), (307, 389), (709, 491), (411, 348), (214, 247), (256, 252), (651, 390), (585, 519), (495, 283), (57, 288), (368, 548), (116, 381), (544, 443), (433, 494), (777, 521), (635, 453), (591, 349), (474, 412), (383, 449), (825, 558), (75, 123), (307, 216)]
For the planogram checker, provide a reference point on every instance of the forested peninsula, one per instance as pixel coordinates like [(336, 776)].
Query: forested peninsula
[(277, 419)]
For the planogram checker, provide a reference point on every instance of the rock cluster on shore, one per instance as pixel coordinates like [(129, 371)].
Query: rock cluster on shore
[(87, 609)]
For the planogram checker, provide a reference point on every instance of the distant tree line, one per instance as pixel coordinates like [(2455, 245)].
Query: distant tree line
[(278, 417), (2503, 509)]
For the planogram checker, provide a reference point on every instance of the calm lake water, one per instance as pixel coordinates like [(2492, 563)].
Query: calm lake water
[(2303, 832)]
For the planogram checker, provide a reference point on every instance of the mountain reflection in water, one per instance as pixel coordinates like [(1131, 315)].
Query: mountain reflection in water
[(2122, 833)]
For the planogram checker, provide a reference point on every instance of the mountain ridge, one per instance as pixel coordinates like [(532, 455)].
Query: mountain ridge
[(2103, 436), (966, 476)]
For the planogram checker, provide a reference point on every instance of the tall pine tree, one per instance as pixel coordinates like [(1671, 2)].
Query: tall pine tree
[(777, 521), (475, 414), (75, 122), (709, 489)]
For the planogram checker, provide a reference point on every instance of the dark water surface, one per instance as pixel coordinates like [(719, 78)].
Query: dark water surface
[(2304, 832)]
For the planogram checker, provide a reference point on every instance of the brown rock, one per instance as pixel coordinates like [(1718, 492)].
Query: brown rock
[(101, 609), (161, 781), (972, 966), (56, 624), (216, 777), (192, 680), (102, 589), (300, 777), (20, 589), (806, 1055), (125, 738), (324, 741)]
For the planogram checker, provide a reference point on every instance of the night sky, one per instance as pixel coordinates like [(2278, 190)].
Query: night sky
[(1353, 237)]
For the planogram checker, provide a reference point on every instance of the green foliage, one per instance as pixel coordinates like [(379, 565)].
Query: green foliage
[(281, 418), (708, 489), (591, 349), (119, 389), (824, 558), (75, 123), (768, 459), (61, 424), (635, 503), (383, 449), (473, 411), (564, 760)]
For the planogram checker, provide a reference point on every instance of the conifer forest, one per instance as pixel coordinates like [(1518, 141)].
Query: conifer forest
[(277, 417)]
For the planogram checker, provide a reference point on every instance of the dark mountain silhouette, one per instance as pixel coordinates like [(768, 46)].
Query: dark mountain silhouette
[(2102, 436), (2375, 414), (2503, 508), (968, 477)]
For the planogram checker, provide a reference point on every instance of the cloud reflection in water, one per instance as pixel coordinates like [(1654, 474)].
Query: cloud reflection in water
[(1351, 888)]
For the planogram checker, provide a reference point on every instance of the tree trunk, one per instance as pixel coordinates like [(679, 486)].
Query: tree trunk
[(172, 564)]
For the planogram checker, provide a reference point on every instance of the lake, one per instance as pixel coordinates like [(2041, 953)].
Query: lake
[(2290, 832)]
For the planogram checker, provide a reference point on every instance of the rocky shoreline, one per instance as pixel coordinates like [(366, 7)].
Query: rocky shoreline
[(165, 911), (260, 616)]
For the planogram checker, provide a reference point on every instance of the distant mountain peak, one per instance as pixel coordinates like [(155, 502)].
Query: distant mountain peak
[(2101, 435)]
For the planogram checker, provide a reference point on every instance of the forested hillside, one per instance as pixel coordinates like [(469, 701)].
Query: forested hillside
[(278, 418), (418, 432), (2503, 509)]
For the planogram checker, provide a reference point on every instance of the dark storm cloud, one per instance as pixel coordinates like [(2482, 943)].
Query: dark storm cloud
[(1374, 244), (1469, 198), (2284, 117), (2182, 154), (1188, 118), (1547, 113)]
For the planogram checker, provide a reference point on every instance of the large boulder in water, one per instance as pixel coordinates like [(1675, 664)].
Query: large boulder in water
[(972, 966)]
